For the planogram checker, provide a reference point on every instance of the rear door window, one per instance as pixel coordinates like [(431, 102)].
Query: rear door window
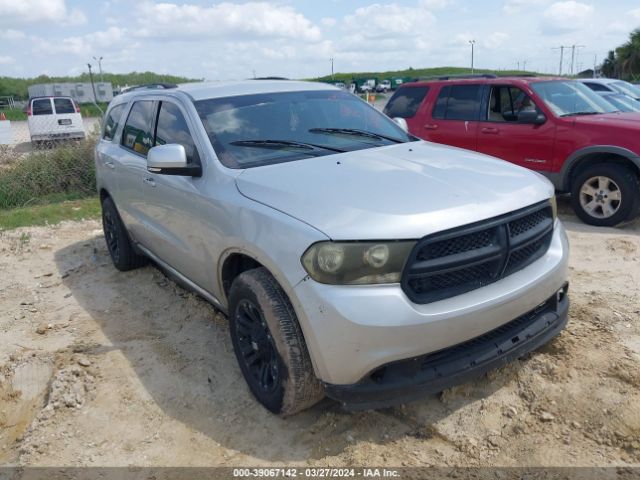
[(172, 128), (459, 102), (138, 134), (64, 105), (42, 106), (405, 102), (111, 122)]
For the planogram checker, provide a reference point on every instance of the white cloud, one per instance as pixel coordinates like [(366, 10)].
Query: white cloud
[(390, 20), (635, 14), (12, 35), (495, 40), (14, 12), (4, 60), (256, 19), (85, 45), (328, 21), (515, 6), (435, 4), (567, 16)]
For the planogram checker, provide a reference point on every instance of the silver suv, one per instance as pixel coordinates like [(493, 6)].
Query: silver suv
[(352, 259)]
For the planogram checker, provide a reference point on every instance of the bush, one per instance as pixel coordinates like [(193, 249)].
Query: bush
[(64, 170)]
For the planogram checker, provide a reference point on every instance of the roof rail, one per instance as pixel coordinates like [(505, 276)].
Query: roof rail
[(151, 86), (459, 77)]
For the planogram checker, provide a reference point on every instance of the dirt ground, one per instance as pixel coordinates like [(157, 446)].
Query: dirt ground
[(103, 368)]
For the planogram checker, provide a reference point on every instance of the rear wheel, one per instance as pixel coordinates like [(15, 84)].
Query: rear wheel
[(606, 194), (123, 254), (269, 344)]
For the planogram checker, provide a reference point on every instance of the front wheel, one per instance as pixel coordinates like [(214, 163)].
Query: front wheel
[(605, 195), (269, 344)]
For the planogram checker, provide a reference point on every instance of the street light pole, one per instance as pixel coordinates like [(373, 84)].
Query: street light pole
[(99, 60), (331, 67), (93, 87), (472, 42)]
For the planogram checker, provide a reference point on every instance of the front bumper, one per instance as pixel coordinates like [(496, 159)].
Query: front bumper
[(408, 380), (351, 331)]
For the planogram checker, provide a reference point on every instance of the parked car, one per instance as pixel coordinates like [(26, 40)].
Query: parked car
[(54, 118), (622, 102), (384, 86), (351, 258), (555, 126), (612, 85)]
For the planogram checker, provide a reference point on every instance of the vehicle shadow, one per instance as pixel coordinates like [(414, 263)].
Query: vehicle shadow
[(178, 348)]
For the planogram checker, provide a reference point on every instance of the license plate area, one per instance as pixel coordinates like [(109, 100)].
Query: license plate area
[(64, 121)]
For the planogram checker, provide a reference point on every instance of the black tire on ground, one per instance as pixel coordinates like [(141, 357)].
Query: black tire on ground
[(606, 182), (119, 244), (269, 344)]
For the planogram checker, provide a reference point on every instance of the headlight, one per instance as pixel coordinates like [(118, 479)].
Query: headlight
[(554, 207), (356, 263)]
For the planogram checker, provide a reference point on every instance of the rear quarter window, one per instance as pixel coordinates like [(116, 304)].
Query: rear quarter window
[(64, 105), (42, 106), (405, 102)]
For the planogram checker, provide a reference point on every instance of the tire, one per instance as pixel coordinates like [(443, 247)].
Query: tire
[(123, 254), (605, 195), (269, 344)]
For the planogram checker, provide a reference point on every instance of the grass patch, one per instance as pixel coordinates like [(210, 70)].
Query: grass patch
[(50, 214), (14, 114)]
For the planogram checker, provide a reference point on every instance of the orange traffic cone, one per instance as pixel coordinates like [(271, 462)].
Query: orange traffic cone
[(2, 116)]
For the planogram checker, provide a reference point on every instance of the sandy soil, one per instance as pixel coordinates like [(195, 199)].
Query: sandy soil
[(105, 368)]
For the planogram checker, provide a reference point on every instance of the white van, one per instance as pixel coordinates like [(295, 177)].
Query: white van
[(54, 118)]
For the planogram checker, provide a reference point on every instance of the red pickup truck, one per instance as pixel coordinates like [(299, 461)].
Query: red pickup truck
[(555, 126)]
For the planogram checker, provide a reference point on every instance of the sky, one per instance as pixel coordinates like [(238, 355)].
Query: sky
[(298, 38)]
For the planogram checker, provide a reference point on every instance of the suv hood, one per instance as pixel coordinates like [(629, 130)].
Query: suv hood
[(403, 191), (630, 120)]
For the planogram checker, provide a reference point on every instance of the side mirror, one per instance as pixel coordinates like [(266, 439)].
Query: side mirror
[(171, 159), (531, 117), (402, 123)]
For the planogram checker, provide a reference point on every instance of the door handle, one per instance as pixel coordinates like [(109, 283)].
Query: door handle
[(431, 126), (150, 181), (490, 130), (111, 165)]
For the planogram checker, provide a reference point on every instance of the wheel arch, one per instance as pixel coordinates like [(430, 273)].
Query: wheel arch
[(589, 156), (104, 194)]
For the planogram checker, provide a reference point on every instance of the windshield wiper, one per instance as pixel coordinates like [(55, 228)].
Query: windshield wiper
[(580, 113), (355, 132), (283, 145)]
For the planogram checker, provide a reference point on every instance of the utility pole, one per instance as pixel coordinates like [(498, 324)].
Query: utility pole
[(472, 42), (561, 48), (573, 55), (524, 65), (99, 60), (595, 64), (93, 87), (331, 67)]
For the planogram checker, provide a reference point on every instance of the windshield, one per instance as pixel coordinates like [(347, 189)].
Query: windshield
[(627, 89), (255, 130), (623, 103), (567, 97)]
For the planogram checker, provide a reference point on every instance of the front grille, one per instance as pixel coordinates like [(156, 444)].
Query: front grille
[(456, 261)]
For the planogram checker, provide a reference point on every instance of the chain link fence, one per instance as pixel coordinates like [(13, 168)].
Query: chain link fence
[(46, 160)]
